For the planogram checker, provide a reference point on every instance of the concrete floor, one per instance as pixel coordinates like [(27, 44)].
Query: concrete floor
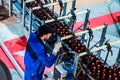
[(80, 4)]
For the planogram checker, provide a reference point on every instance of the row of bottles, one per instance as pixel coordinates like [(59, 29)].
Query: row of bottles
[(42, 14), (33, 3), (61, 28), (99, 70)]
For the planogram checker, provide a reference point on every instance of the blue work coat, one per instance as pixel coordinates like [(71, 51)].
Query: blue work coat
[(34, 68)]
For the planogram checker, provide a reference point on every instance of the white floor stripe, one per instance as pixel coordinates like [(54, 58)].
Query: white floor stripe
[(21, 53)]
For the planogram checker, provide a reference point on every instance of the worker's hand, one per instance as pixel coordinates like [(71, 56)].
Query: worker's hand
[(57, 47)]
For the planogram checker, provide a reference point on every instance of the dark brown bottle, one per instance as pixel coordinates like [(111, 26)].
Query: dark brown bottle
[(91, 66), (110, 70), (114, 75), (98, 66), (109, 77), (118, 75), (93, 75), (115, 78), (91, 60), (79, 51), (115, 68), (79, 44), (67, 32), (97, 61), (102, 65), (98, 75), (103, 76)]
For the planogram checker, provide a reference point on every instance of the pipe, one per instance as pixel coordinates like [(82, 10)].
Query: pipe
[(51, 4), (83, 32), (23, 16), (85, 24), (10, 7), (102, 39), (19, 70), (27, 1), (63, 17), (30, 18), (64, 10), (99, 48)]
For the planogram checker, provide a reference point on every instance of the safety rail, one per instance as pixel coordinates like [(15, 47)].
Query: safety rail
[(91, 51), (16, 65), (34, 8), (52, 20), (51, 4), (99, 48), (82, 32), (64, 17)]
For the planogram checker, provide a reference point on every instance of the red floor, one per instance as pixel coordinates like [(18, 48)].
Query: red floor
[(5, 59), (99, 21)]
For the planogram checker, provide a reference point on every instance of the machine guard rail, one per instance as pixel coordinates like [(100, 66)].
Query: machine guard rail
[(16, 65), (63, 17), (99, 48), (83, 32)]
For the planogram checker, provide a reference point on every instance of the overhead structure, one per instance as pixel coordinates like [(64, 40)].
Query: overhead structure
[(82, 32), (38, 7), (99, 48), (67, 16)]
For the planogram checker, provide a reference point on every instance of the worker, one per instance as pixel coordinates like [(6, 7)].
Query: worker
[(36, 57)]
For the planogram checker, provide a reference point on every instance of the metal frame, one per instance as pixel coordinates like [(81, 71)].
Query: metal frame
[(94, 50), (38, 7), (118, 58), (30, 18), (64, 10), (85, 24), (65, 6), (82, 32), (99, 48), (52, 20), (67, 16), (16, 65), (10, 7), (73, 4), (51, 4), (102, 39), (71, 23), (23, 16)]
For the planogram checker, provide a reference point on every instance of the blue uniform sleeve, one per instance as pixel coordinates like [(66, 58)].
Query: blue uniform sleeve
[(40, 51), (47, 60)]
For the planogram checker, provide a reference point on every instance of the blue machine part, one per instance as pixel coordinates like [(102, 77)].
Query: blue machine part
[(69, 67), (64, 71)]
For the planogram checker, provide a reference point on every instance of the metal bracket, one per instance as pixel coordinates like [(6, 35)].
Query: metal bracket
[(108, 50), (86, 23), (61, 6), (90, 36)]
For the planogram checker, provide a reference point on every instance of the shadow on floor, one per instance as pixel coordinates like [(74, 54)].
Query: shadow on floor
[(3, 13)]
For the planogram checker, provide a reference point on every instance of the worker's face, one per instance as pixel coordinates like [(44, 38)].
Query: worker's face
[(48, 35)]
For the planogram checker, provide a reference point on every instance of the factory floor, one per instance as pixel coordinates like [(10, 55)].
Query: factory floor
[(102, 11)]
